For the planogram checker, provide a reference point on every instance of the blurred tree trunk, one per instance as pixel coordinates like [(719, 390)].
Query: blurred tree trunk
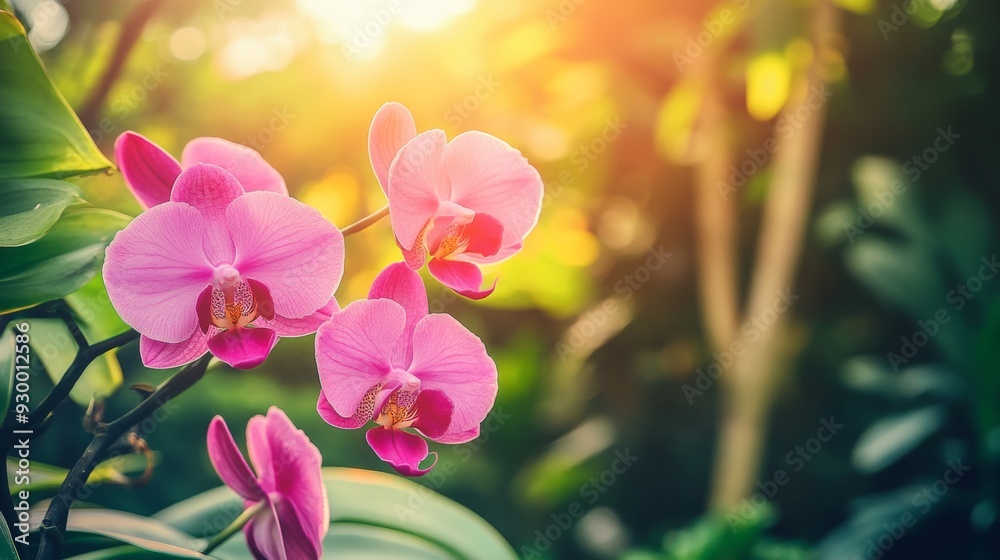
[(749, 386)]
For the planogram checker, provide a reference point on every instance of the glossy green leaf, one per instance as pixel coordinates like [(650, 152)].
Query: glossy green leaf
[(59, 263), (29, 207), (143, 532), (7, 548), (353, 542), (370, 499), (6, 369), (53, 345), (40, 136)]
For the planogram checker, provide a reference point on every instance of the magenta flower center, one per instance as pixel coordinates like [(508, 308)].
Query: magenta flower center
[(234, 302)]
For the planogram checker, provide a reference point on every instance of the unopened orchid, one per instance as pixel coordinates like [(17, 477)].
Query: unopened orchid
[(467, 202), (386, 360), (150, 171), (223, 270), (286, 484)]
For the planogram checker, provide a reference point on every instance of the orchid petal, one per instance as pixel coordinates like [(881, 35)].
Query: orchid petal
[(301, 326), (264, 534), (448, 357), (211, 190), (229, 462), (149, 171), (165, 355), (434, 412), (289, 247), (463, 277), (402, 450), (357, 349), (245, 163), (155, 270), (404, 286), (488, 175), (392, 127), (485, 234), (414, 183), (243, 348)]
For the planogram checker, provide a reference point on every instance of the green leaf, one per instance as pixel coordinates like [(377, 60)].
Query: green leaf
[(127, 552), (46, 479), (889, 439), (30, 207), (6, 370), (143, 532), (371, 499), (93, 311), (53, 345), (7, 543), (40, 136), (59, 263)]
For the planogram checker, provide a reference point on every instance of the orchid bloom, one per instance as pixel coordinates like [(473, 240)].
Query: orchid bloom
[(295, 514), (467, 202), (386, 360), (223, 270), (150, 172)]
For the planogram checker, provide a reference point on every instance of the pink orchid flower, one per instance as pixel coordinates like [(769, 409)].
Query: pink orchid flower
[(467, 202), (385, 359), (288, 479), (223, 270), (150, 172)]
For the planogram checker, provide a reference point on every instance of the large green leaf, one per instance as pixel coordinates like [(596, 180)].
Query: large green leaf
[(6, 370), (402, 508), (143, 532), (29, 207), (40, 136), (59, 263)]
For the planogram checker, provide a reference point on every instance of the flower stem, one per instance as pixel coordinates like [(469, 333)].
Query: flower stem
[(234, 527), (105, 436), (366, 221)]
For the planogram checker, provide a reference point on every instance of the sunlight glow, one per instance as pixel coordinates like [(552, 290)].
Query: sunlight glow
[(361, 26)]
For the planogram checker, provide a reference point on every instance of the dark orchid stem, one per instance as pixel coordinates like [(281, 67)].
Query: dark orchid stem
[(234, 527), (105, 436), (86, 354), (131, 31), (363, 223)]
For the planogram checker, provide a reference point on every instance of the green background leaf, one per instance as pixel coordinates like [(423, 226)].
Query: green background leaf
[(30, 207), (59, 263), (40, 136)]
